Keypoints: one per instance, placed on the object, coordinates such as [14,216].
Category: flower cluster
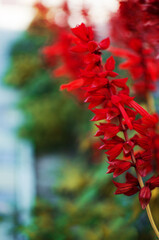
[109,100]
[134,28]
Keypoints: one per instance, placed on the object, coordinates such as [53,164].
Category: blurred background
[53,183]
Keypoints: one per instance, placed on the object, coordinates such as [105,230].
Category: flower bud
[144,196]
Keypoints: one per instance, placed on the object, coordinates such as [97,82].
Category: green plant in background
[84,208]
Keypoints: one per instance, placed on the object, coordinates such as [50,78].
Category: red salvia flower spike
[112,101]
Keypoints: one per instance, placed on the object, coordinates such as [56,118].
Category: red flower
[145,192]
[143,167]
[153,182]
[83,33]
[115,151]
[143,161]
[118,167]
[144,142]
[137,35]
[130,187]
[107,129]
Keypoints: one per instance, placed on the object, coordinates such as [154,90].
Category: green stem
[149,214]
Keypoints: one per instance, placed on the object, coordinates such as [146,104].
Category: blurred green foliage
[85,208]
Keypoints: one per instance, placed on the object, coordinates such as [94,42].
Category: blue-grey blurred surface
[17,184]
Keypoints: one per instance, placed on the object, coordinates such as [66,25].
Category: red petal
[108,144]
[104,44]
[131,179]
[121,52]
[127,146]
[91,58]
[112,74]
[153,70]
[125,64]
[125,188]
[120,82]
[111,113]
[111,132]
[115,151]
[72,85]
[94,101]
[133,191]
[153,182]
[125,116]
[140,128]
[124,166]
[110,64]
[108,130]
[135,44]
[140,110]
[143,167]
[143,142]
[61,71]
[79,48]
[92,46]
[100,114]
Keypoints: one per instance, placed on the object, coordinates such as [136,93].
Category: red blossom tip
[83,33]
[144,196]
[104,44]
[110,64]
